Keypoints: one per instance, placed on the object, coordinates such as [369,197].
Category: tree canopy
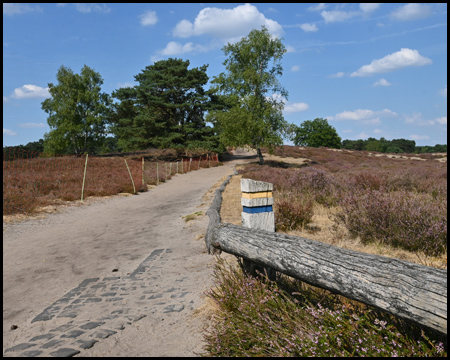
[250,87]
[166,108]
[78,112]
[391,146]
[317,133]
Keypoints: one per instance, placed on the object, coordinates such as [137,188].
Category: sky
[373,70]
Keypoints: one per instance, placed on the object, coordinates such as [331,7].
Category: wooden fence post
[257,213]
[143,183]
[84,178]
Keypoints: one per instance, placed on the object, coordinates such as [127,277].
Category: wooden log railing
[402,288]
[411,291]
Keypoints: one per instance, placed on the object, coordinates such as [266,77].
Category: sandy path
[119,277]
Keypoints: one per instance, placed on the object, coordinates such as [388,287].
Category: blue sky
[373,70]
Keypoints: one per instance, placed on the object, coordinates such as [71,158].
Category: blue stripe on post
[257,209]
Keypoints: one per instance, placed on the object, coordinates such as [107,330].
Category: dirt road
[121,276]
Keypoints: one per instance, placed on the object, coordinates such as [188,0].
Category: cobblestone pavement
[122,300]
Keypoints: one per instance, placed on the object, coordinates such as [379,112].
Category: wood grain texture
[404,289]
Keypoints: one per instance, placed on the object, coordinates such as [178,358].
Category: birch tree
[253,93]
[78,112]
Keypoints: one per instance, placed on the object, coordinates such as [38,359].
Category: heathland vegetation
[34,181]
[372,203]
[377,202]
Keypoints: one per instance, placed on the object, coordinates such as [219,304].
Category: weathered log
[402,288]
[214,214]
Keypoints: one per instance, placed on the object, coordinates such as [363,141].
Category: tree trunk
[260,156]
[404,289]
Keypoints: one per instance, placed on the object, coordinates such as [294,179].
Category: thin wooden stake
[129,172]
[84,177]
[143,172]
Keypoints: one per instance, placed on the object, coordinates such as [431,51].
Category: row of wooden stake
[157,171]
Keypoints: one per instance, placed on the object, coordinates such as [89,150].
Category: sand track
[121,276]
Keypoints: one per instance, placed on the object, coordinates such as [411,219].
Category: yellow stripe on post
[257,195]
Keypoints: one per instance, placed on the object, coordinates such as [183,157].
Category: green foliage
[317,133]
[391,146]
[393,149]
[78,112]
[35,146]
[431,149]
[28,151]
[251,116]
[406,146]
[166,109]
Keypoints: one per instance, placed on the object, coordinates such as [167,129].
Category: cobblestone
[143,290]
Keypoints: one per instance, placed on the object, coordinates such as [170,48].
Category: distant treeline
[391,146]
[30,150]
[33,149]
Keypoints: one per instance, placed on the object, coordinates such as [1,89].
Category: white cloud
[337,75]
[288,106]
[340,15]
[290,49]
[5,99]
[317,7]
[364,114]
[369,7]
[32,125]
[295,107]
[90,7]
[295,68]
[308,27]
[377,131]
[398,60]
[375,120]
[226,23]
[419,137]
[8,132]
[416,118]
[18,8]
[148,18]
[382,82]
[442,120]
[411,11]
[175,48]
[337,15]
[30,91]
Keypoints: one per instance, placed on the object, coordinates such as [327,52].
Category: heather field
[399,202]
[381,204]
[33,183]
